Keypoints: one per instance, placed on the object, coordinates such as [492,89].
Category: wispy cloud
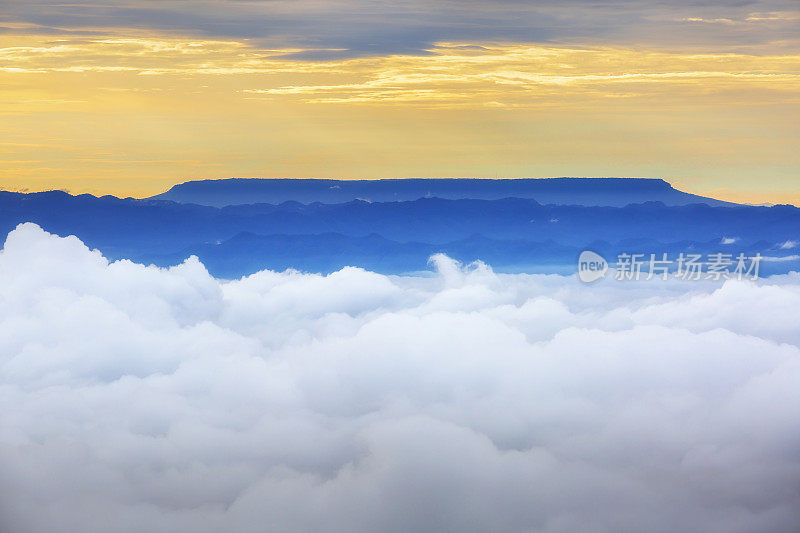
[454,74]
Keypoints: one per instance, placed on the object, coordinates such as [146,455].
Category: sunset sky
[129,98]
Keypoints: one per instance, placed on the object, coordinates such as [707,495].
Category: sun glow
[132,115]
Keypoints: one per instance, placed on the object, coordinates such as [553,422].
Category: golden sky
[133,111]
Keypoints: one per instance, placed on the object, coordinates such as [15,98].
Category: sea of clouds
[163,400]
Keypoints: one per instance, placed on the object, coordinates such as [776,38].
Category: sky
[129,98]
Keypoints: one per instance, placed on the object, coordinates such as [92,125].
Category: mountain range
[511,234]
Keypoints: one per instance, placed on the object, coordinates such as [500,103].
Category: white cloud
[781,259]
[145,399]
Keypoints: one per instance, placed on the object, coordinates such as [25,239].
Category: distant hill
[611,192]
[511,234]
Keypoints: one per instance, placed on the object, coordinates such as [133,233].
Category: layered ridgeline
[615,192]
[511,234]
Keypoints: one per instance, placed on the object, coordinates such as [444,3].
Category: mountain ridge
[600,192]
[394,237]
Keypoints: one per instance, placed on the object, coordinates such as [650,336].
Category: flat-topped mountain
[610,192]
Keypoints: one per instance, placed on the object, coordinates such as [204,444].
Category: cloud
[782,258]
[148,399]
[359,27]
[450,75]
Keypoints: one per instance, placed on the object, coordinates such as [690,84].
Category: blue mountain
[511,234]
[614,192]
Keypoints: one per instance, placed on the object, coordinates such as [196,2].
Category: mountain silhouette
[511,234]
[612,192]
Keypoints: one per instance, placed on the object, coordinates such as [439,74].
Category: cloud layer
[358,27]
[145,399]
